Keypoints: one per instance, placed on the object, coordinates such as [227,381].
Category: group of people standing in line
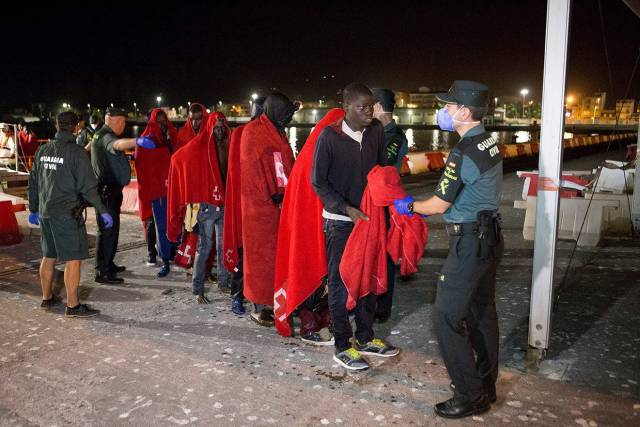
[283,232]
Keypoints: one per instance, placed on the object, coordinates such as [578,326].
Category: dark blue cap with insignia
[466,92]
[386,98]
[115,111]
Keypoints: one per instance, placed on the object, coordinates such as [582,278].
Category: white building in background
[592,106]
[625,109]
[423,98]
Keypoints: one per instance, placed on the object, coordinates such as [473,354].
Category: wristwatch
[410,207]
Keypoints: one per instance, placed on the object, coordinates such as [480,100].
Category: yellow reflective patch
[450,173]
[444,184]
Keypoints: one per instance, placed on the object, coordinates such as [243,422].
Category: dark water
[421,139]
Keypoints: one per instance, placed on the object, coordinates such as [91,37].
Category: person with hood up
[153,157]
[266,160]
[196,178]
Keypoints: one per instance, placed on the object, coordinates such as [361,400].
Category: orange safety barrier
[435,160]
[405,169]
[527,149]
[511,150]
[535,147]
[520,150]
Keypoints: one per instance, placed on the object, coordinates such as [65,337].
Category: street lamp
[524,93]
[254,96]
[158,100]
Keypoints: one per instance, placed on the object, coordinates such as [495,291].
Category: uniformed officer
[396,148]
[86,135]
[113,172]
[396,145]
[468,194]
[60,184]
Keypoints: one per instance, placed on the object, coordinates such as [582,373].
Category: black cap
[115,111]
[466,92]
[386,98]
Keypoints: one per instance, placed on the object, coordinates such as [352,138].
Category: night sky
[227,50]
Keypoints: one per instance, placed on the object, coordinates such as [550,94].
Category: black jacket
[341,165]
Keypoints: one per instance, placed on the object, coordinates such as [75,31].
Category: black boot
[454,408]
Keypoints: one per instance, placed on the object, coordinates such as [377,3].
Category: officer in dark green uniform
[86,135]
[61,183]
[113,172]
[396,145]
[468,194]
[396,148]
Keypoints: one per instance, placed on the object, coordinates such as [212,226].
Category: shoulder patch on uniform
[483,150]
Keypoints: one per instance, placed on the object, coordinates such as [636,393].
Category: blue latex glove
[34,218]
[402,206]
[145,142]
[108,221]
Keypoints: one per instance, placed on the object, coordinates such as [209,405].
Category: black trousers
[337,233]
[107,239]
[466,318]
[150,235]
[385,301]
[237,279]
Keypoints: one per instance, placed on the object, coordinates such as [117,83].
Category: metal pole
[550,165]
[15,144]
[635,209]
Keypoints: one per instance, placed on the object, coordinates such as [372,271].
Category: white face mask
[93,126]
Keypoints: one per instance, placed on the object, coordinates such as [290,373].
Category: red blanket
[194,177]
[152,164]
[364,265]
[232,233]
[266,160]
[186,132]
[301,257]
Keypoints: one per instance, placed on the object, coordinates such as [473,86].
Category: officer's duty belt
[462,228]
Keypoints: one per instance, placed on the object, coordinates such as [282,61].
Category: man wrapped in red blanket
[301,257]
[266,160]
[152,169]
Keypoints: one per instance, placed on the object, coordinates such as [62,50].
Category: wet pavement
[154,357]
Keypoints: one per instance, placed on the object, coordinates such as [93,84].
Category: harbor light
[158,100]
[254,96]
[524,93]
[65,105]
[89,106]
